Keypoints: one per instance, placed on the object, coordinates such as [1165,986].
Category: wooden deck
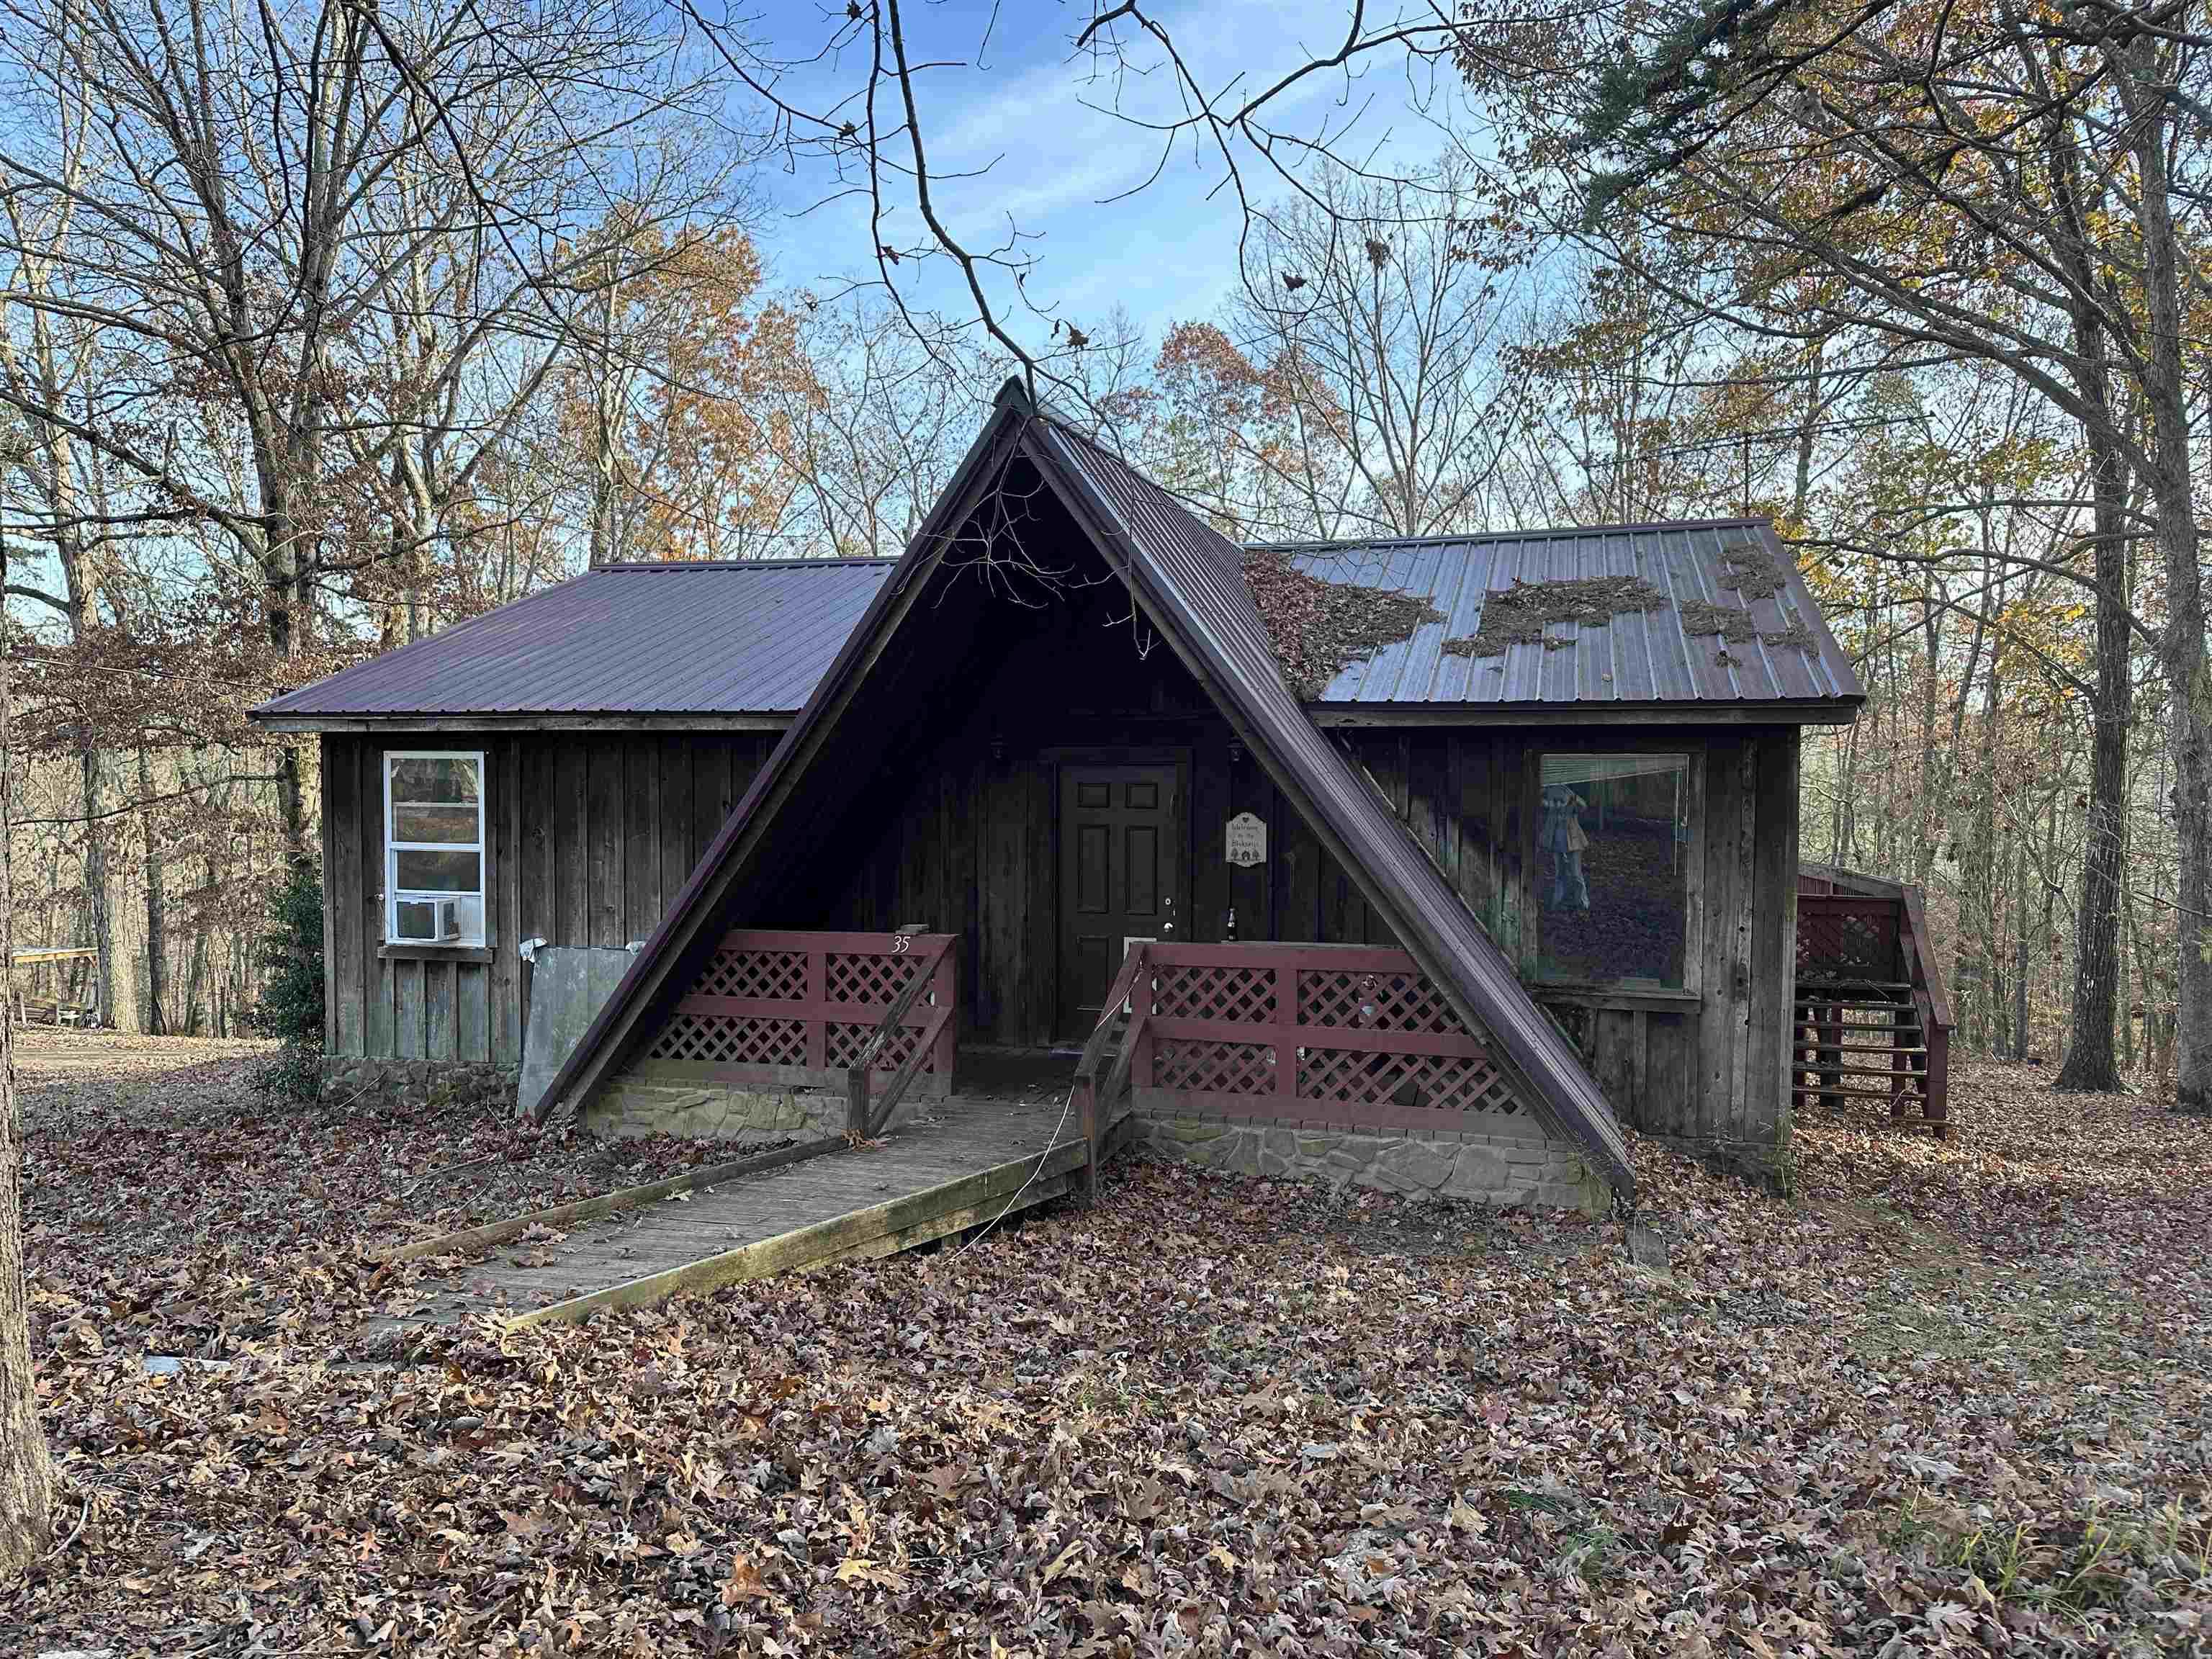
[961,1161]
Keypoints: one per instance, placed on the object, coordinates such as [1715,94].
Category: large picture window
[1612,869]
[433,847]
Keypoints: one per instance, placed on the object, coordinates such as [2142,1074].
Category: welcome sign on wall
[1248,840]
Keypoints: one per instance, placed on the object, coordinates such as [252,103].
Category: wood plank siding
[588,837]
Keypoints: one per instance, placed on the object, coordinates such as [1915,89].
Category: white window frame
[394,894]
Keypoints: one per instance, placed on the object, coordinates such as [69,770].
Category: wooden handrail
[879,1116]
[1123,988]
[862,1118]
[1090,1099]
[1117,1079]
[900,1006]
[1920,965]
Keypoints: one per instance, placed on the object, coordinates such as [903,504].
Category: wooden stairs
[1872,1020]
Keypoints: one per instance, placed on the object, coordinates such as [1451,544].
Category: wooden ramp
[961,1163]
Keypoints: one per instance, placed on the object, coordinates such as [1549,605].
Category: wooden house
[1428,863]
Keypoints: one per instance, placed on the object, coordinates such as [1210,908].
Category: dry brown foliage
[1953,1398]
[1319,627]
[1518,614]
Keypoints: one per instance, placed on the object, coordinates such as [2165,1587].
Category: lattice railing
[796,1008]
[1311,1032]
[1847,936]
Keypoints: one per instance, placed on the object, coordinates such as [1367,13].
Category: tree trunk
[2091,1066]
[27,1478]
[157,921]
[2192,818]
[99,911]
[2183,650]
[2020,945]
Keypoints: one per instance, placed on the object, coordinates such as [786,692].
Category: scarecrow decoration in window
[1564,838]
[1616,831]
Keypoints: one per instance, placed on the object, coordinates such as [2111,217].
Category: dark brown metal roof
[626,639]
[1639,656]
[1190,580]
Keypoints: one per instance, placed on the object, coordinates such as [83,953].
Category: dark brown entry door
[1119,877]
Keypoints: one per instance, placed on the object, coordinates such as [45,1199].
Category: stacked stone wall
[1500,1162]
[657,1097]
[350,1077]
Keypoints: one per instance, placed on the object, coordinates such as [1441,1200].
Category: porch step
[1825,1091]
[1840,1005]
[1806,1045]
[1822,986]
[1832,1070]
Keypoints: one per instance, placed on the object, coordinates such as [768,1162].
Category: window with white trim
[434,846]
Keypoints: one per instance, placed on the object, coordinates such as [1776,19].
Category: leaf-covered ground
[1949,1399]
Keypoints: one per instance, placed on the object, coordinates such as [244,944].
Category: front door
[1119,876]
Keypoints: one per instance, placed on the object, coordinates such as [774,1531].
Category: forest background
[324,327]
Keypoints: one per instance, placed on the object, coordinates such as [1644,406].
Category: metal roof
[698,639]
[1638,657]
[1190,580]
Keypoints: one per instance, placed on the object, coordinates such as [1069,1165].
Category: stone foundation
[1507,1160]
[660,1098]
[418,1082]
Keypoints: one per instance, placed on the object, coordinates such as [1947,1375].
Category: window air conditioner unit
[429,922]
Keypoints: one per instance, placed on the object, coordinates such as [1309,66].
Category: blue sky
[1025,117]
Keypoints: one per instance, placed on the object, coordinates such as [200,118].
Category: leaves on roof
[1737,626]
[1752,569]
[1795,637]
[1520,614]
[1729,622]
[1319,627]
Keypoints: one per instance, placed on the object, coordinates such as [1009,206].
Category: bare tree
[27,1479]
[872,432]
[224,241]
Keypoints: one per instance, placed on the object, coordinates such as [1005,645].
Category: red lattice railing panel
[1847,937]
[1373,1001]
[1214,1068]
[786,1008]
[1231,992]
[1311,1033]
[731,1040]
[871,978]
[767,975]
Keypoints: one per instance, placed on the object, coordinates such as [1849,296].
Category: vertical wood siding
[588,836]
[591,837]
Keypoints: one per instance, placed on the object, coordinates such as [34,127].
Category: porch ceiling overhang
[1189,581]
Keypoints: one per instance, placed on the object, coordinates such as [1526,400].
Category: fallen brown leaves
[1321,628]
[1952,1398]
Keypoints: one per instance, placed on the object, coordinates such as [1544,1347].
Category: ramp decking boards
[961,1164]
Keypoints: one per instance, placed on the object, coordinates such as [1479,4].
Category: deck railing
[1872,1017]
[1321,1034]
[806,1010]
